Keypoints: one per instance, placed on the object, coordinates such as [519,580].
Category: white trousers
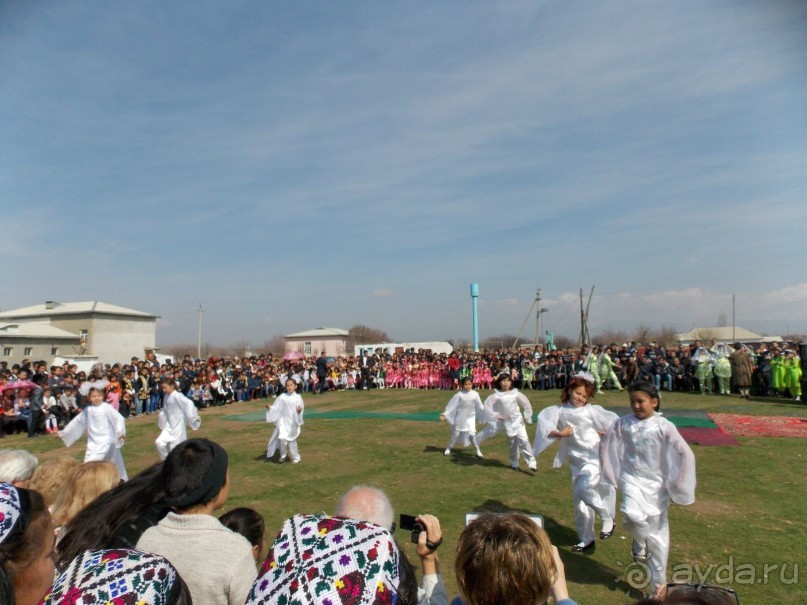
[652,531]
[591,499]
[518,443]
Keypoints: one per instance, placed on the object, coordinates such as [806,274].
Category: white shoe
[296,461]
[479,453]
[282,459]
[533,467]
[447,452]
[600,393]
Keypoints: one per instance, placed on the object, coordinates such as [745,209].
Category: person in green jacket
[792,375]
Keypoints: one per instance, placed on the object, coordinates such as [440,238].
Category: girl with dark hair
[578,426]
[502,413]
[250,524]
[645,456]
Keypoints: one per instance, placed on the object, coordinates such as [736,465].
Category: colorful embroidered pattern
[320,560]
[10,509]
[114,577]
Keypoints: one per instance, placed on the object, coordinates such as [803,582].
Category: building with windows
[54,329]
[312,342]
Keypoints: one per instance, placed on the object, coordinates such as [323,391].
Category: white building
[111,333]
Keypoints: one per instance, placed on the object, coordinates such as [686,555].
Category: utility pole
[733,322]
[537,304]
[585,338]
[538,310]
[199,334]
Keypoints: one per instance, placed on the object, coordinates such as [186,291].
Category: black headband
[211,485]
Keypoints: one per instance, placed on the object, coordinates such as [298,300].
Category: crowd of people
[146,539]
[156,539]
[41,398]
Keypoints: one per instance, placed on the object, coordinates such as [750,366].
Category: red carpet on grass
[698,435]
[762,426]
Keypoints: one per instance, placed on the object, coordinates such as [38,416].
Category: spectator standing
[197,483]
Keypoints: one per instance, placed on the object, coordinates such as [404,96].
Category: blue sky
[290,165]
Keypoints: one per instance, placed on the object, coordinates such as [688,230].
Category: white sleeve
[611,449]
[547,422]
[489,413]
[432,591]
[273,413]
[679,467]
[451,408]
[119,424]
[74,429]
[525,404]
[603,419]
[190,411]
[298,416]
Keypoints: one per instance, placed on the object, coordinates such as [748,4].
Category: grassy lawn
[749,513]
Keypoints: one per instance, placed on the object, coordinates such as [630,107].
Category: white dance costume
[651,464]
[502,412]
[287,425]
[461,413]
[582,450]
[106,432]
[177,410]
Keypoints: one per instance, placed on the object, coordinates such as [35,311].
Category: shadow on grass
[466,457]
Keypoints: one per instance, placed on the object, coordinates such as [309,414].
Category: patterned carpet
[762,426]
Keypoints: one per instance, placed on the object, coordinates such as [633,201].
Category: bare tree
[241,348]
[666,336]
[642,334]
[504,341]
[608,336]
[276,345]
[705,334]
[360,334]
[460,344]
[179,351]
[564,342]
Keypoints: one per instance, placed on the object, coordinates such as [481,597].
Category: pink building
[312,342]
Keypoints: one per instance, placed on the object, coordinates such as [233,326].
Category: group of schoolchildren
[642,454]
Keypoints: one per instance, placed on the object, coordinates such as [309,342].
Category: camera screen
[537,519]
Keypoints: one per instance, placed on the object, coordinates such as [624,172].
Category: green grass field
[749,513]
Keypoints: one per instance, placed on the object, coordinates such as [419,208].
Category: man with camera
[365,503]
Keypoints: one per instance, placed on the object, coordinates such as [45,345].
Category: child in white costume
[461,413]
[105,428]
[177,411]
[578,425]
[645,456]
[502,412]
[287,413]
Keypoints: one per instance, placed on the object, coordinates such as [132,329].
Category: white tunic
[177,410]
[649,462]
[503,406]
[106,432]
[462,411]
[286,418]
[583,445]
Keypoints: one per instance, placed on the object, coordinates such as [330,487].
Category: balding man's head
[365,503]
